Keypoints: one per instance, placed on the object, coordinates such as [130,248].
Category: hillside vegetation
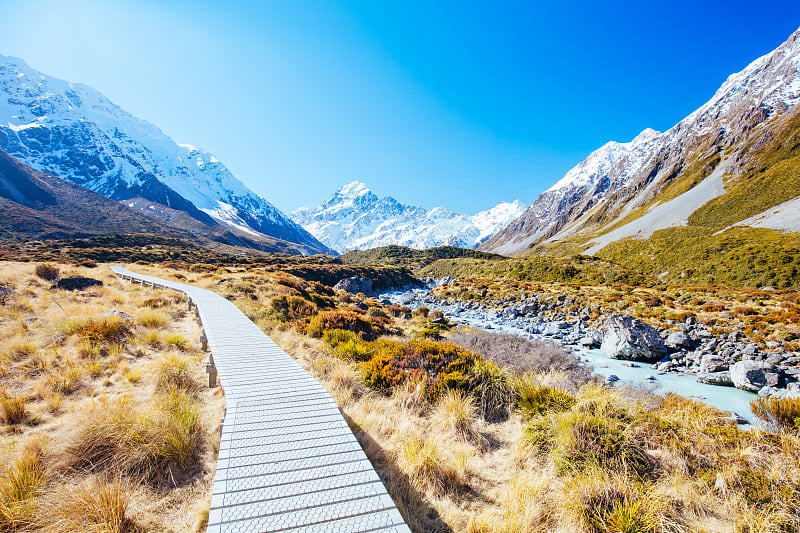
[478,432]
[410,258]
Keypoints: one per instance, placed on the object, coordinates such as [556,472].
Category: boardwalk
[287,459]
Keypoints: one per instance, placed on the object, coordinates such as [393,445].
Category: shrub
[781,413]
[441,365]
[292,307]
[344,319]
[534,400]
[523,355]
[47,272]
[422,311]
[20,350]
[348,345]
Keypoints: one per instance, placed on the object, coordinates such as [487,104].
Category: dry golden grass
[63,356]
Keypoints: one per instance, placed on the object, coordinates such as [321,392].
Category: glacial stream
[728,399]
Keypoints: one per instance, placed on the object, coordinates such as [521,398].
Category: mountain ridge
[75,132]
[615,186]
[355,218]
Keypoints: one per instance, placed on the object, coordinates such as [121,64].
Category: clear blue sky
[460,103]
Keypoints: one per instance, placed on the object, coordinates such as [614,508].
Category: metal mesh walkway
[287,459]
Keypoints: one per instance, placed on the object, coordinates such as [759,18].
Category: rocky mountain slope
[355,218]
[35,205]
[76,133]
[734,161]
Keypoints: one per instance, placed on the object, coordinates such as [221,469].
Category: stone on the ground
[754,375]
[716,378]
[119,314]
[355,285]
[76,283]
[712,363]
[678,339]
[625,337]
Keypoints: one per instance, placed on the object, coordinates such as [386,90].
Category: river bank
[698,364]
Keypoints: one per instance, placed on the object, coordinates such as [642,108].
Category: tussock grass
[172,373]
[19,485]
[97,329]
[780,413]
[156,442]
[14,408]
[47,271]
[456,412]
[95,504]
[152,319]
[427,463]
[178,341]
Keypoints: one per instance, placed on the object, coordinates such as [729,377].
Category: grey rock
[775,358]
[754,375]
[625,337]
[355,285]
[773,344]
[650,377]
[629,364]
[678,339]
[716,378]
[119,314]
[612,378]
[712,363]
[76,283]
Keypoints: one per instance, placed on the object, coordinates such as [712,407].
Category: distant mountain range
[355,218]
[73,132]
[733,162]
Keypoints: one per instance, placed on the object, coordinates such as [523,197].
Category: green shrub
[290,307]
[534,400]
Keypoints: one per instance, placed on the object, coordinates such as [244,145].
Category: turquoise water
[727,399]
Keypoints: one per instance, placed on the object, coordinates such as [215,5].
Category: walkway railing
[287,459]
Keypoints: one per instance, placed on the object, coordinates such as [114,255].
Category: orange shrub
[347,319]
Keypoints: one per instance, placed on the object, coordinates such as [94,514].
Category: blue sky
[461,104]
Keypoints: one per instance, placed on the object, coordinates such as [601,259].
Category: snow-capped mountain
[76,133]
[652,182]
[355,218]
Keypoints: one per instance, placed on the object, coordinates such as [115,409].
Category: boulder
[678,339]
[625,337]
[754,375]
[119,314]
[76,283]
[716,378]
[355,285]
[712,363]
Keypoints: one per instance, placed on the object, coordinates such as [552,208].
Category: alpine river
[727,399]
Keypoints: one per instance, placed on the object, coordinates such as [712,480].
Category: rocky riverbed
[689,356]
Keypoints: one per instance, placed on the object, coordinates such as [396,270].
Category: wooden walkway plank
[287,460]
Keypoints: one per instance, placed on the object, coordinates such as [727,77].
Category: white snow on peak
[354,218]
[601,161]
[354,188]
[106,149]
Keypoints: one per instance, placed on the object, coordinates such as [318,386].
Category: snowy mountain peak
[354,189]
[354,218]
